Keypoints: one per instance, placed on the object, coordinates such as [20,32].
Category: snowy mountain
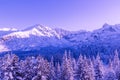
[33,38]
[37,30]
[44,40]
[8,29]
[5,31]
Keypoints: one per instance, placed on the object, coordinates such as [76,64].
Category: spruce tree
[98,66]
[67,69]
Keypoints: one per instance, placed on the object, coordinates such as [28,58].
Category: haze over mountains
[47,41]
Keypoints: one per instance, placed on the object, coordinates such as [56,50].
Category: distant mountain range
[47,41]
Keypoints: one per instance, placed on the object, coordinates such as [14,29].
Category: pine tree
[117,72]
[109,72]
[43,68]
[67,69]
[91,70]
[79,69]
[70,65]
[29,72]
[74,64]
[116,60]
[84,69]
[98,66]
[52,70]
[10,66]
[58,72]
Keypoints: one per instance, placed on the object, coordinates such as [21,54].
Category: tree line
[38,68]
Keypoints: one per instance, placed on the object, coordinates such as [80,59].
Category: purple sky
[66,14]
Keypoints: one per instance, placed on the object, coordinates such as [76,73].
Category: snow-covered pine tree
[15,67]
[58,72]
[67,69]
[116,61]
[43,68]
[79,68]
[91,70]
[98,67]
[83,71]
[109,76]
[109,72]
[27,68]
[52,70]
[74,64]
[10,67]
[70,64]
[117,72]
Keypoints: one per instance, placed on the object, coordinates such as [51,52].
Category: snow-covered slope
[8,29]
[3,47]
[37,30]
[34,37]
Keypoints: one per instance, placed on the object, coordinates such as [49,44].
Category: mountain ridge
[46,40]
[37,30]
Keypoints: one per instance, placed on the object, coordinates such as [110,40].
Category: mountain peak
[38,27]
[36,30]
[34,26]
[109,28]
[106,25]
